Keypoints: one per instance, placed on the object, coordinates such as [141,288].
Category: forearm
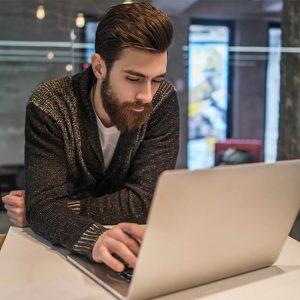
[122,206]
[50,211]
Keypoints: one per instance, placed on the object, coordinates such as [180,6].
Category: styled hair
[136,25]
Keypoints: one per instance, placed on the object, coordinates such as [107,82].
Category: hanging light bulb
[69,68]
[40,12]
[50,55]
[80,20]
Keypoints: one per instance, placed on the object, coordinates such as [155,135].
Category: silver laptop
[207,225]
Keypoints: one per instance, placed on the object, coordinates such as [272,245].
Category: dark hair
[137,25]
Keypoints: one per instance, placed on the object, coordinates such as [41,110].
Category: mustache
[140,104]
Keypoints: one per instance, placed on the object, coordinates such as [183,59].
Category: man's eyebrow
[130,72]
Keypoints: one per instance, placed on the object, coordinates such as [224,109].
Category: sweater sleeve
[49,211]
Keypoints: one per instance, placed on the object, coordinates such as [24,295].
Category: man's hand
[14,203]
[123,240]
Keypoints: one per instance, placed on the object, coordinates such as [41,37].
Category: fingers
[19,221]
[15,205]
[14,210]
[13,200]
[134,230]
[109,260]
[118,234]
[120,249]
[19,193]
[120,240]
[107,245]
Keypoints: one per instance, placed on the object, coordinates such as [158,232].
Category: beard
[122,114]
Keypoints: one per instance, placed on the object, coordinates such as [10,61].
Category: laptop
[207,225]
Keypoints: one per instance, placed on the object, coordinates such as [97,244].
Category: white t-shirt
[108,138]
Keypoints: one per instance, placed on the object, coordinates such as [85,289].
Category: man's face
[128,89]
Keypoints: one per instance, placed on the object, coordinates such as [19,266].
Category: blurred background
[224,62]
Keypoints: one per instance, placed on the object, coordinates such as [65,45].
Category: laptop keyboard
[127,273]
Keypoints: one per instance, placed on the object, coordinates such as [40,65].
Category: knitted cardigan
[69,195]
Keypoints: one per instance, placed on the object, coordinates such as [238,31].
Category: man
[97,142]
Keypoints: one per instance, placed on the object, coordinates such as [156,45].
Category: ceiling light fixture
[80,20]
[40,12]
[50,55]
[69,68]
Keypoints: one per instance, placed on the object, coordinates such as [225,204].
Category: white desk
[30,268]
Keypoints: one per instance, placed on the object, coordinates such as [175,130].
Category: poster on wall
[207,92]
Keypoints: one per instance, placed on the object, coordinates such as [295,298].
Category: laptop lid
[211,224]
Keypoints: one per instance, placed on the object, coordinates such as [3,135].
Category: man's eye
[133,79]
[158,81]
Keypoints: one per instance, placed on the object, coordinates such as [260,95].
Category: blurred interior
[224,62]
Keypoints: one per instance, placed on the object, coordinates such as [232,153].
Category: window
[207,92]
[272,95]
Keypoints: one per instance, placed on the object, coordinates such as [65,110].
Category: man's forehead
[149,64]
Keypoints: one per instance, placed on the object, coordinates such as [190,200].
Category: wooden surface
[4,222]
[2,238]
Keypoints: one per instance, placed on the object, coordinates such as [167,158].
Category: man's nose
[145,94]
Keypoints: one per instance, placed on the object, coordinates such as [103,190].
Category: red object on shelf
[252,146]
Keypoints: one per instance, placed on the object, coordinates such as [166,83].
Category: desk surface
[31,268]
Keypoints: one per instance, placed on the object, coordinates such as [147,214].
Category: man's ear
[99,66]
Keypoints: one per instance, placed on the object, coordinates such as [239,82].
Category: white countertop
[31,268]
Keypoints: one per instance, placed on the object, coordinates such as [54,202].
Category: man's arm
[123,239]
[49,210]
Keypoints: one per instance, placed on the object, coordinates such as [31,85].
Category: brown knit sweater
[68,192]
